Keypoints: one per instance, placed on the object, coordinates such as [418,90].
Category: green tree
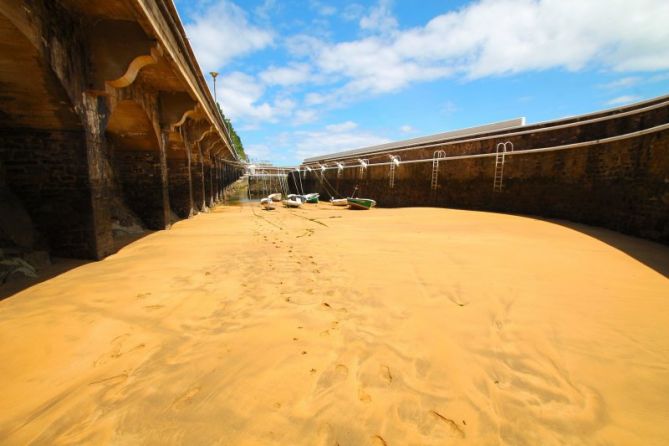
[236,140]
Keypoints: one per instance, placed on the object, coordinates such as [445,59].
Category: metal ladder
[500,158]
[395,161]
[439,154]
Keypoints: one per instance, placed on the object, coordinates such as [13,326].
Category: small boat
[338,201]
[275,197]
[360,203]
[312,198]
[267,204]
[293,202]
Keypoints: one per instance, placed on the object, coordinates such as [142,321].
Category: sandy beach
[324,326]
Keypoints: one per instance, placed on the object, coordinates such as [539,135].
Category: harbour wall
[616,175]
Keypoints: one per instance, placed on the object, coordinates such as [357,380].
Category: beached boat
[338,201]
[360,203]
[312,198]
[294,202]
[267,204]
[275,197]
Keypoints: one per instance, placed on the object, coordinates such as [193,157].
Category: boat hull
[360,203]
[292,203]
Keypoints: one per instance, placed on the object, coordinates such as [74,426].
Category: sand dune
[327,326]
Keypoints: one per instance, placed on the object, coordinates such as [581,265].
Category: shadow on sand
[60,266]
[652,254]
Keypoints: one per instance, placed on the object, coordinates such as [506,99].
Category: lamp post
[213,76]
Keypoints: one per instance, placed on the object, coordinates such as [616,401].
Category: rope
[301,188]
[324,182]
[655,129]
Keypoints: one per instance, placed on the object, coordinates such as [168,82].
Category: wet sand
[328,326]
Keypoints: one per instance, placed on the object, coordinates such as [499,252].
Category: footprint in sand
[377,440]
[186,399]
[333,376]
[326,435]
[363,396]
[453,428]
[111,390]
[341,370]
[386,376]
[115,351]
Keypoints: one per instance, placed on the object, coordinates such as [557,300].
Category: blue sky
[301,78]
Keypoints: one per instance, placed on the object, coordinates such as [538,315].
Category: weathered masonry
[609,169]
[106,125]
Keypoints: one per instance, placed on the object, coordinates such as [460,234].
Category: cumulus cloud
[288,75]
[305,116]
[222,31]
[491,38]
[380,18]
[302,144]
[241,95]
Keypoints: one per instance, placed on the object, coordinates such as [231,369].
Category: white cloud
[448,108]
[322,8]
[407,129]
[222,31]
[333,138]
[258,152]
[620,100]
[284,76]
[490,38]
[304,45]
[352,12]
[240,97]
[380,18]
[304,116]
[624,82]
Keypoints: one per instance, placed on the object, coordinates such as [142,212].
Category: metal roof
[501,125]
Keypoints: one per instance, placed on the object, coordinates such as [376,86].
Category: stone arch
[134,148]
[43,156]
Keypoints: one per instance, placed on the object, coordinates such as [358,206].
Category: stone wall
[139,174]
[621,185]
[47,170]
[178,172]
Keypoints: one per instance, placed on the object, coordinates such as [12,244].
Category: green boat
[312,198]
[360,203]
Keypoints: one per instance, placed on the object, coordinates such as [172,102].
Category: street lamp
[213,75]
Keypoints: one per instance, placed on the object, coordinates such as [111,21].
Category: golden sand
[329,326]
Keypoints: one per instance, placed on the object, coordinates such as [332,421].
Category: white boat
[275,197]
[294,202]
[338,201]
[267,204]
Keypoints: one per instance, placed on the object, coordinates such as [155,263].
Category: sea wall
[622,185]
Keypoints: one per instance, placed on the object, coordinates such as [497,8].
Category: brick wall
[138,173]
[47,170]
[179,186]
